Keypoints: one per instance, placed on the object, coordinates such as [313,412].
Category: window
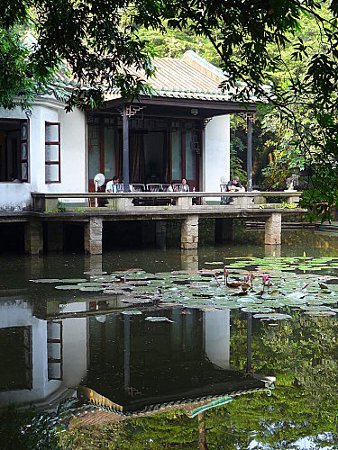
[14,150]
[52,153]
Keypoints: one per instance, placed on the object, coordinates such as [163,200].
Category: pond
[230,347]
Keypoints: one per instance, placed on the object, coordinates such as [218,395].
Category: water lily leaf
[73,280]
[158,319]
[47,280]
[320,313]
[66,287]
[214,263]
[91,289]
[272,316]
[129,312]
[253,309]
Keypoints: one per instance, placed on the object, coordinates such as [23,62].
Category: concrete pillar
[189,233]
[272,250]
[55,236]
[224,230]
[161,234]
[93,236]
[33,237]
[189,259]
[273,229]
[93,264]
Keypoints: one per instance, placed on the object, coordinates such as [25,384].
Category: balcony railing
[152,201]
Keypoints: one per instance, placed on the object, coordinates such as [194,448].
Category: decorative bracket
[130,110]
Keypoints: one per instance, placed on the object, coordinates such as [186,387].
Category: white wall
[216,157]
[217,337]
[18,313]
[73,153]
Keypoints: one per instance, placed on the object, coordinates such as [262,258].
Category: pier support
[55,236]
[189,259]
[33,237]
[93,236]
[273,229]
[189,233]
[224,230]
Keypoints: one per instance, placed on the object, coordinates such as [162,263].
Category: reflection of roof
[189,400]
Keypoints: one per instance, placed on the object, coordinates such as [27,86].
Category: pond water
[134,342]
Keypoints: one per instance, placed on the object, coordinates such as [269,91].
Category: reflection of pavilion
[124,358]
[136,366]
[40,360]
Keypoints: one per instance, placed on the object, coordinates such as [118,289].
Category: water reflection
[51,343]
[132,362]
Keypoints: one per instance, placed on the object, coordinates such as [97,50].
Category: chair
[138,187]
[154,187]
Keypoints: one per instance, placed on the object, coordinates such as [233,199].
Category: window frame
[58,144]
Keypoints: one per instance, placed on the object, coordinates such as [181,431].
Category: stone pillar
[189,259]
[224,230]
[272,250]
[189,233]
[34,237]
[273,229]
[93,236]
[161,234]
[55,236]
[93,264]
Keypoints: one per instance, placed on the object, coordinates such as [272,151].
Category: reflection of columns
[273,229]
[125,129]
[93,264]
[224,230]
[217,337]
[33,237]
[248,343]
[202,435]
[272,250]
[249,120]
[189,233]
[55,236]
[126,352]
[93,236]
[189,259]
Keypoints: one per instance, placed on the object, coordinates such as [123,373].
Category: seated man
[113,186]
[233,185]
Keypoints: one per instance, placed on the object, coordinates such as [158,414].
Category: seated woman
[182,187]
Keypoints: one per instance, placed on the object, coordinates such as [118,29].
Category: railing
[128,201]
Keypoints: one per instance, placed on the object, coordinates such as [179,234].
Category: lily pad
[129,312]
[47,280]
[73,280]
[158,319]
[66,287]
[272,316]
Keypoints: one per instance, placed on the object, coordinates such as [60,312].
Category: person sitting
[112,186]
[235,185]
[183,187]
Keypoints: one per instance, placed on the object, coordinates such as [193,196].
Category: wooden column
[224,230]
[33,237]
[125,132]
[273,229]
[189,233]
[249,119]
[93,236]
